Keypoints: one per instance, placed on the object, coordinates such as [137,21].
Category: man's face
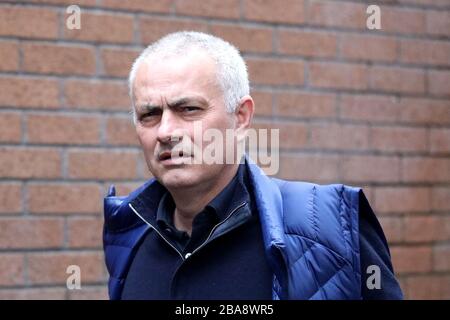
[170,95]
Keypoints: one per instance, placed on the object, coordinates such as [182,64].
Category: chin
[178,178]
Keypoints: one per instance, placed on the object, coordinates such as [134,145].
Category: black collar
[217,209]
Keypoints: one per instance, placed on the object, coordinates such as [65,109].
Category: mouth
[170,157]
[165,155]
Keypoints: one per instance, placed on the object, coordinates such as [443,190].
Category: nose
[169,130]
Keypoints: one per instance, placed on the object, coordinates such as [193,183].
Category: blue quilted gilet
[310,235]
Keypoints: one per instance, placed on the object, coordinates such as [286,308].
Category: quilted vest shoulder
[322,240]
[121,232]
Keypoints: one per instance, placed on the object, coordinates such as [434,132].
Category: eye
[190,109]
[149,115]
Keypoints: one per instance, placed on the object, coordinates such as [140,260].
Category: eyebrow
[186,100]
[174,104]
[147,108]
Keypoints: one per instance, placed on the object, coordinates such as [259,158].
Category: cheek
[146,139]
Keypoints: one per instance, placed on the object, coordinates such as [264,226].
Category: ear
[244,115]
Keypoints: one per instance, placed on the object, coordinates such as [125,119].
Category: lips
[167,155]
[164,155]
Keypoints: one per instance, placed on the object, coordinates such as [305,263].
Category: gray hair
[232,75]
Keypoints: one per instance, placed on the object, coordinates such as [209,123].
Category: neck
[190,201]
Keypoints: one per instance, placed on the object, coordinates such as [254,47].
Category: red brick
[440,140]
[28,22]
[419,169]
[338,137]
[441,258]
[307,43]
[21,233]
[33,294]
[118,62]
[97,95]
[402,199]
[444,227]
[58,59]
[314,168]
[117,28]
[246,39]
[305,105]
[370,169]
[121,131]
[62,129]
[85,232]
[263,102]
[396,79]
[9,51]
[212,8]
[428,287]
[438,23]
[398,139]
[29,163]
[276,71]
[428,3]
[337,75]
[404,21]
[423,229]
[412,259]
[163,6]
[363,47]
[424,111]
[369,108]
[144,173]
[10,127]
[80,3]
[28,92]
[153,29]
[11,269]
[292,135]
[333,14]
[78,198]
[102,164]
[292,11]
[89,293]
[439,198]
[50,267]
[392,227]
[10,197]
[122,188]
[425,52]
[264,129]
[263,124]
[439,82]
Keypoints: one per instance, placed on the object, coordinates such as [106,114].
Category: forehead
[193,73]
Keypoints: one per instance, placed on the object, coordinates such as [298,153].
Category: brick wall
[363,107]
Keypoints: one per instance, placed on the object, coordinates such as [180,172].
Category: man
[222,230]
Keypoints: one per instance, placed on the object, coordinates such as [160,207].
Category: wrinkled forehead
[174,74]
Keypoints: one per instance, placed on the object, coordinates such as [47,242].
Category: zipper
[217,225]
[204,242]
[151,226]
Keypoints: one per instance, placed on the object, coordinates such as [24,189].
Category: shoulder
[326,214]
[117,213]
[301,192]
